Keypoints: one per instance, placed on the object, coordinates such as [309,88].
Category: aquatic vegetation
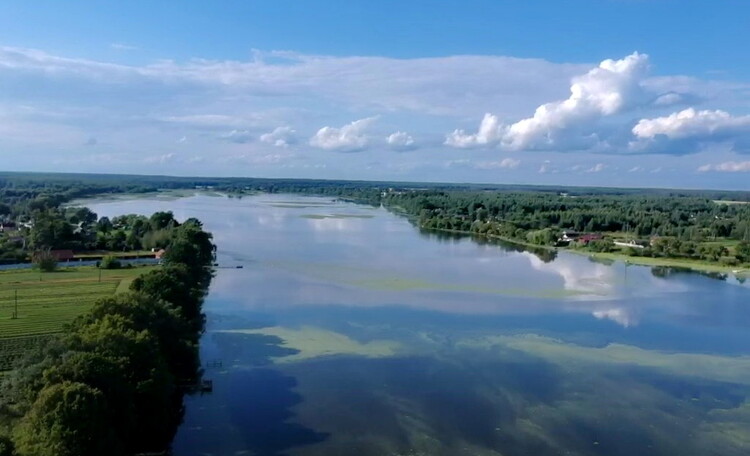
[313,342]
[713,367]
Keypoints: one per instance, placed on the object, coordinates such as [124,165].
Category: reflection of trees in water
[665,272]
[258,398]
[546,255]
[261,410]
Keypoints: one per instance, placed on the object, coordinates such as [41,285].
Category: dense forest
[113,382]
[691,227]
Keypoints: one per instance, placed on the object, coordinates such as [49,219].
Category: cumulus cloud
[690,131]
[349,138]
[280,137]
[400,141]
[727,167]
[692,124]
[609,89]
[490,132]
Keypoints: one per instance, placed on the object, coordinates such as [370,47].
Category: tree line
[113,383]
[670,226]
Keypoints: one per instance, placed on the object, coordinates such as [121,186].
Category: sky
[635,93]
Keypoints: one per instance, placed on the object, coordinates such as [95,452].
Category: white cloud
[490,132]
[609,89]
[349,138]
[444,85]
[599,167]
[613,86]
[692,124]
[400,141]
[669,99]
[280,137]
[727,167]
[506,163]
[690,131]
[547,167]
[161,159]
[237,136]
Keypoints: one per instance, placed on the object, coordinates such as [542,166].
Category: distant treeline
[687,219]
[668,226]
[113,383]
[63,187]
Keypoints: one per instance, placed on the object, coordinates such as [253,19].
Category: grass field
[47,301]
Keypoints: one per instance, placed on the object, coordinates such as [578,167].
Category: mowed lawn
[47,301]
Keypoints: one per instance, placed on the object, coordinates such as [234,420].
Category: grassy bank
[695,265]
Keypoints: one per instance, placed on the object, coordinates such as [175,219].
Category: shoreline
[693,265]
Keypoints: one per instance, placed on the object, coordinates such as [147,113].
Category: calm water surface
[349,332]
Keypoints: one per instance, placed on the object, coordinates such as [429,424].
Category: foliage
[110,262]
[67,419]
[44,260]
[111,384]
[742,251]
[681,225]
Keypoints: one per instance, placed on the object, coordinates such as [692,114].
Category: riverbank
[693,265]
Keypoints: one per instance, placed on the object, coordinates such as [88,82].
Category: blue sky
[589,92]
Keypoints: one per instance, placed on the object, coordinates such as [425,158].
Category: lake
[347,331]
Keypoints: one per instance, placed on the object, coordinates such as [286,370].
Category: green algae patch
[712,367]
[311,342]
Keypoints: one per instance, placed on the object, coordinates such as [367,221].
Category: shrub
[44,260]
[110,262]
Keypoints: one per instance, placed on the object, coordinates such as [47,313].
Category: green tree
[50,230]
[110,262]
[742,251]
[172,283]
[192,247]
[113,336]
[107,375]
[67,419]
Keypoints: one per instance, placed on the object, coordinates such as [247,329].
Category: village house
[632,244]
[586,238]
[62,255]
